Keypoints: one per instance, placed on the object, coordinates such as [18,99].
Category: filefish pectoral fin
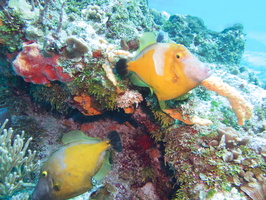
[134,78]
[151,90]
[104,170]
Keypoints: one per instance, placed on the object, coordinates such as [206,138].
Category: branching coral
[16,162]
[241,107]
[95,13]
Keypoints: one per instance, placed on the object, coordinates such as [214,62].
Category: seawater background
[218,15]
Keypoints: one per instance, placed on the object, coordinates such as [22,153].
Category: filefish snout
[42,191]
[195,69]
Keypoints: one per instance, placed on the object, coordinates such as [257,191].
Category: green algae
[54,96]
[11,32]
[93,79]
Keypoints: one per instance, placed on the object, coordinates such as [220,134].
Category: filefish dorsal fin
[77,135]
[145,40]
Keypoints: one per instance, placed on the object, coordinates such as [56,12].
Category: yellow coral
[242,109]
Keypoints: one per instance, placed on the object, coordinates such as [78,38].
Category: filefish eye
[178,56]
[44,173]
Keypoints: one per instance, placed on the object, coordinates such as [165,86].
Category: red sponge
[33,67]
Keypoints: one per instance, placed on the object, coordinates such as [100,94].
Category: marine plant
[55,96]
[17,162]
[164,119]
[95,83]
[11,30]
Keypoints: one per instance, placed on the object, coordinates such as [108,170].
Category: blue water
[217,15]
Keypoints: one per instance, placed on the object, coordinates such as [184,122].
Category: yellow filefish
[69,171]
[168,69]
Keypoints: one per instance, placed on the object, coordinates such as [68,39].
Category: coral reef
[16,162]
[75,48]
[63,78]
[207,162]
[139,157]
[177,113]
[55,96]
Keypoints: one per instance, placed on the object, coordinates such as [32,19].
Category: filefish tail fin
[121,68]
[115,141]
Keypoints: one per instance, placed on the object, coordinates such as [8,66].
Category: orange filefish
[69,171]
[168,69]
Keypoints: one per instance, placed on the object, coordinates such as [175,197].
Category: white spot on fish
[158,58]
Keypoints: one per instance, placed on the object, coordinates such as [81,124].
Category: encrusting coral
[206,163]
[87,105]
[75,48]
[177,113]
[242,109]
[33,67]
[16,161]
[255,187]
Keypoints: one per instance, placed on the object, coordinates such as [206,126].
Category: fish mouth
[40,196]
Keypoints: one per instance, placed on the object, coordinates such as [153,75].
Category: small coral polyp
[33,67]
